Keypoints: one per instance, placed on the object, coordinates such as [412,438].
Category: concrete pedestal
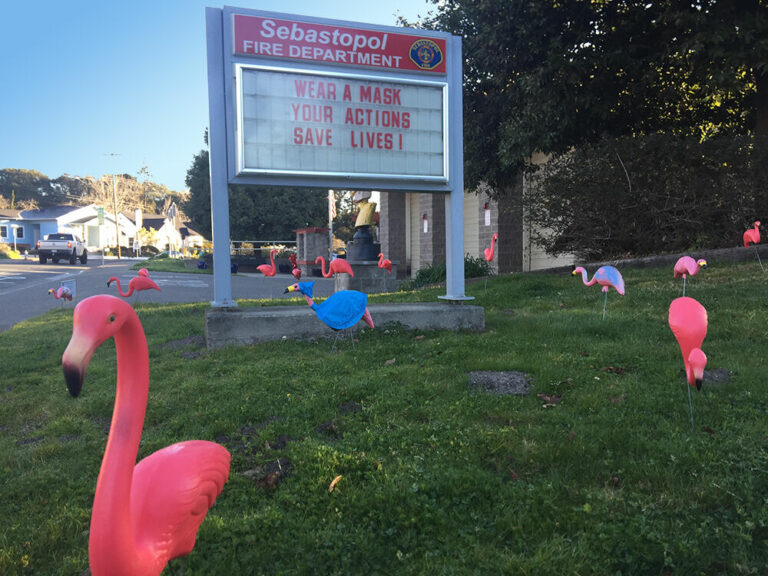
[245,326]
[369,278]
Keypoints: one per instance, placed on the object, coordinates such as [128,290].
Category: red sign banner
[337,45]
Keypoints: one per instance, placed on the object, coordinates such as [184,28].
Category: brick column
[432,243]
[392,228]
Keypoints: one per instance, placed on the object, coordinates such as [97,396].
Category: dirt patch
[350,408]
[269,476]
[502,383]
[330,430]
[280,442]
[244,440]
[192,346]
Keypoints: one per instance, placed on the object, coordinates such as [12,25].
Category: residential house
[33,225]
[166,233]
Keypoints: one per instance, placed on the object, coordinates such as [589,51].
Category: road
[24,286]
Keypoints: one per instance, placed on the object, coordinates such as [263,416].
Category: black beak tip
[286,291]
[74,380]
[698,384]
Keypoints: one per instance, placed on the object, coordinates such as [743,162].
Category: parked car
[61,246]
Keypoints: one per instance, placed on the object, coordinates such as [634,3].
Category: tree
[255,212]
[549,76]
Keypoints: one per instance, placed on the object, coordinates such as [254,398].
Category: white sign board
[310,123]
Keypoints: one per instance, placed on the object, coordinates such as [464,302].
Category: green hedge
[651,194]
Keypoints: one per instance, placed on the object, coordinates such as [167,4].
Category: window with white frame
[3,231]
[19,232]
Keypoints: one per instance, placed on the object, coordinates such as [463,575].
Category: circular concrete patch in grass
[502,383]
[717,376]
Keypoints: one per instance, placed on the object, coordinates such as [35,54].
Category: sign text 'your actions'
[376,122]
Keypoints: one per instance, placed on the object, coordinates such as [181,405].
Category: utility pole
[114,203]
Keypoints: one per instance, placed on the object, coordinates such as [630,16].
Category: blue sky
[85,79]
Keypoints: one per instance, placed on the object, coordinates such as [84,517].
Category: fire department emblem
[426,54]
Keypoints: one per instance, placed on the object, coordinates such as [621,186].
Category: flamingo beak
[573,273]
[702,263]
[697,360]
[290,288]
[77,357]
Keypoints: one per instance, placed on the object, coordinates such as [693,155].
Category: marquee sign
[313,123]
[312,102]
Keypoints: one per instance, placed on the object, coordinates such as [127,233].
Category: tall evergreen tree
[547,76]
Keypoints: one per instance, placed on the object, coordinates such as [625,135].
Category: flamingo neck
[584,278]
[381,257]
[493,244]
[322,268]
[120,289]
[272,257]
[309,300]
[111,539]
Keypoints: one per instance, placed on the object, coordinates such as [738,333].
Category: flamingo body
[341,310]
[752,235]
[136,284]
[489,252]
[335,266]
[148,513]
[267,269]
[61,293]
[385,263]
[688,322]
[295,270]
[606,276]
[687,266]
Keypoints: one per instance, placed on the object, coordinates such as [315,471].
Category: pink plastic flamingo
[384,263]
[335,266]
[295,270]
[61,293]
[136,284]
[144,514]
[489,252]
[753,236]
[687,266]
[688,321]
[266,269]
[606,276]
[143,272]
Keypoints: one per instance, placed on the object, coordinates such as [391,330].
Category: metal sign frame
[224,63]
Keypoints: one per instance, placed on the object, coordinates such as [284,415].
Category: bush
[646,195]
[436,273]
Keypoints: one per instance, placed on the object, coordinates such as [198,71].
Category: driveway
[24,286]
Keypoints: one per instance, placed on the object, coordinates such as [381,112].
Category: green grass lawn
[168,265]
[603,476]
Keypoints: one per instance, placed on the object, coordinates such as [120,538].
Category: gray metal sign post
[310,102]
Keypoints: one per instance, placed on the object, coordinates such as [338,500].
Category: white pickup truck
[61,246]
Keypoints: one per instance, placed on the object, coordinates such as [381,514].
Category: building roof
[8,213]
[50,213]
